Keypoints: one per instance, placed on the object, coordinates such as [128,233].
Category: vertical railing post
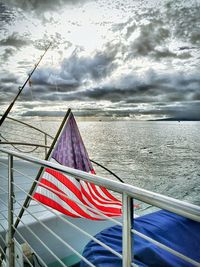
[126,230]
[11,261]
[45,142]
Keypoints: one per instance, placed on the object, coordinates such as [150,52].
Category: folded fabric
[174,231]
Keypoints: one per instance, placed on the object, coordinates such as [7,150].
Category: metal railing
[24,137]
[128,193]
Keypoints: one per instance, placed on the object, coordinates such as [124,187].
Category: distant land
[177,119]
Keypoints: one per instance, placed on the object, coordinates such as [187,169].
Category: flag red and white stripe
[71,196]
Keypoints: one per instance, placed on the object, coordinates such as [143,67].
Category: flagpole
[21,88]
[28,198]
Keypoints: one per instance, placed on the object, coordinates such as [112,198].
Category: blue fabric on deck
[175,231]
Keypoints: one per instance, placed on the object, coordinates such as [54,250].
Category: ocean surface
[156,155]
[160,156]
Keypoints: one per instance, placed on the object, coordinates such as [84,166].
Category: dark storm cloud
[145,37]
[9,85]
[151,35]
[186,110]
[39,6]
[5,95]
[47,93]
[178,110]
[6,15]
[78,69]
[148,35]
[53,113]
[186,18]
[175,111]
[14,40]
[95,67]
[172,110]
[45,79]
[8,79]
[44,113]
[149,32]
[190,111]
[8,52]
[130,88]
[151,88]
[82,113]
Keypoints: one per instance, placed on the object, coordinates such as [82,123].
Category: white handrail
[185,209]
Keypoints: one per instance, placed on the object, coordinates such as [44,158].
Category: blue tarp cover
[179,233]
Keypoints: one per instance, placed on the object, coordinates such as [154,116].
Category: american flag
[71,196]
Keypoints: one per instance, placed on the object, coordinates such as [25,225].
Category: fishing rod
[21,88]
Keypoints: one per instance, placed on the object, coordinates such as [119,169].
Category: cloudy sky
[115,58]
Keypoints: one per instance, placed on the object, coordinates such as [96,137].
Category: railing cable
[61,240]
[22,237]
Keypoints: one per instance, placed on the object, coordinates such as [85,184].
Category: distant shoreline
[108,119]
[176,119]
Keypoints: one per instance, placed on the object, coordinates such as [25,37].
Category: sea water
[160,156]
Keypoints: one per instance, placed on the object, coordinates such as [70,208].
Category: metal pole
[11,261]
[28,198]
[21,88]
[126,230]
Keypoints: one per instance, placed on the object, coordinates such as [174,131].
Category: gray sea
[156,155]
[160,156]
